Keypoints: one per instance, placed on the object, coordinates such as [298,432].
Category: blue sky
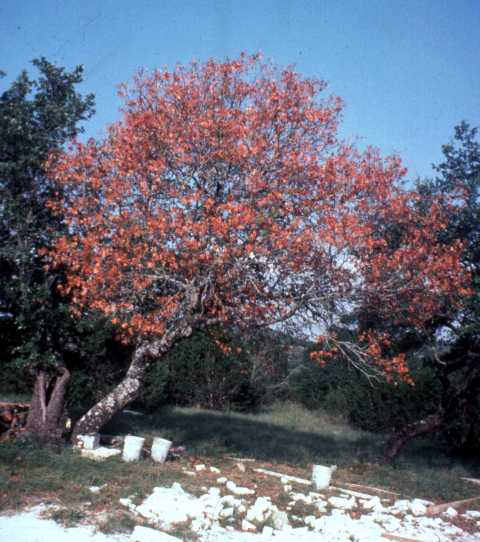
[408,70]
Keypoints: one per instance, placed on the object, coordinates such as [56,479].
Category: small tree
[224,197]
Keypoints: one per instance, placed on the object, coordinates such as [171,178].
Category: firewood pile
[13,418]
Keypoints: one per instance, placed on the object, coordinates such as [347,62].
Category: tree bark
[127,390]
[48,405]
[408,432]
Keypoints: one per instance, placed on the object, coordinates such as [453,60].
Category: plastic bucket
[321,476]
[89,442]
[160,449]
[132,448]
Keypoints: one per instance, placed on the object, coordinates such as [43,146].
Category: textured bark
[48,405]
[127,390]
[405,434]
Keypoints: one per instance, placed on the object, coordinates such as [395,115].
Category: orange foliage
[224,196]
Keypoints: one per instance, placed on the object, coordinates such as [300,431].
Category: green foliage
[37,116]
[375,406]
[206,371]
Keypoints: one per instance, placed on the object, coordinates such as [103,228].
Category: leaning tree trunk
[408,432]
[127,390]
[48,405]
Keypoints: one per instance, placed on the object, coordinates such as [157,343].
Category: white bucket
[89,442]
[160,449]
[132,447]
[321,476]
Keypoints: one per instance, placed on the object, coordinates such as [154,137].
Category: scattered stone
[373,504]
[287,488]
[101,453]
[199,468]
[279,519]
[343,504]
[473,514]
[189,473]
[222,480]
[145,534]
[236,490]
[418,507]
[261,510]
[240,467]
[128,503]
[284,476]
[95,489]
[450,512]
[215,470]
[248,527]
[226,513]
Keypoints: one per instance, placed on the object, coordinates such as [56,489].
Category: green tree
[451,346]
[37,117]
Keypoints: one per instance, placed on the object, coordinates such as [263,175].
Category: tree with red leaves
[224,197]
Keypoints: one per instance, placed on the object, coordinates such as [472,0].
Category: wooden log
[439,508]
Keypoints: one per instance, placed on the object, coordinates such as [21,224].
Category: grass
[286,438]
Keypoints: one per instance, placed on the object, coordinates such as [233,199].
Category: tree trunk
[127,390]
[48,405]
[405,434]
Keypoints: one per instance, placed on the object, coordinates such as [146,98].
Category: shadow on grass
[213,433]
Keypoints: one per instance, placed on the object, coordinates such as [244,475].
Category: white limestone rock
[100,454]
[341,503]
[450,512]
[237,490]
[279,519]
[248,527]
[145,534]
[418,508]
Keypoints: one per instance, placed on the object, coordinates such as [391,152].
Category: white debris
[240,467]
[373,504]
[215,470]
[199,468]
[101,453]
[284,477]
[279,519]
[261,510]
[145,534]
[226,513]
[236,490]
[222,480]
[343,504]
[402,505]
[287,488]
[247,526]
[128,503]
[418,507]
[29,526]
[450,512]
[88,442]
[473,514]
[95,489]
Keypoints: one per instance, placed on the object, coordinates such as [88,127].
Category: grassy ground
[286,438]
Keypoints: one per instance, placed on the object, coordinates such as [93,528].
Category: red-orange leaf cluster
[224,196]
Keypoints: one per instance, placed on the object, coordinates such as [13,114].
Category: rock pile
[241,516]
